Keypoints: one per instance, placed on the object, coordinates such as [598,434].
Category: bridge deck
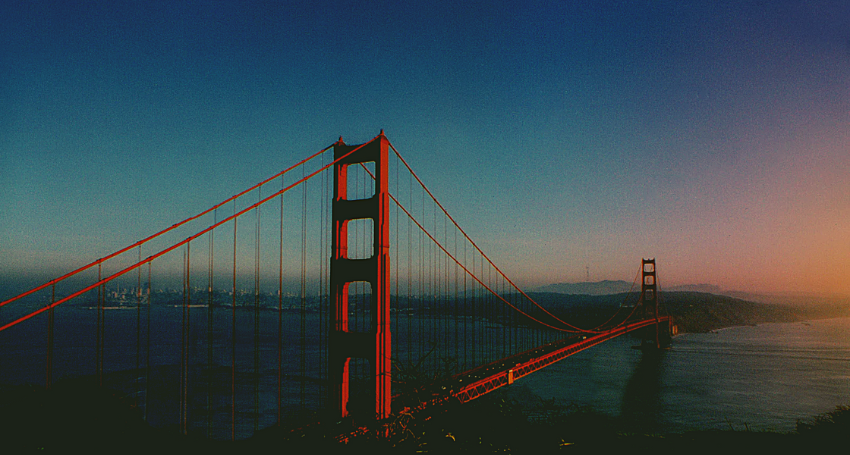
[487,378]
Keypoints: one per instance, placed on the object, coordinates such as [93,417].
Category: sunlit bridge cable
[459,330]
[102,281]
[174,226]
[476,246]
[486,286]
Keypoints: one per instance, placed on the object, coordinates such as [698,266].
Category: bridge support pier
[343,343]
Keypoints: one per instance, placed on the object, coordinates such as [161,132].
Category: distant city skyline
[569,139]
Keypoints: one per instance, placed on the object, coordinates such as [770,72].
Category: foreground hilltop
[74,417]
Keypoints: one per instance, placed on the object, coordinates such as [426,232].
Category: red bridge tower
[649,299]
[344,344]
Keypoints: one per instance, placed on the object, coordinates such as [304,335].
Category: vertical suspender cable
[303,312]
[410,313]
[488,308]
[478,312]
[515,324]
[473,293]
[99,328]
[353,252]
[184,392]
[484,296]
[233,336]
[495,340]
[490,328]
[438,298]
[188,336]
[324,322]
[446,292]
[441,296]
[320,230]
[517,343]
[493,314]
[148,345]
[432,275]
[432,327]
[512,328]
[210,304]
[362,236]
[507,318]
[509,321]
[257,318]
[138,319]
[442,287]
[183,345]
[486,345]
[324,280]
[465,315]
[395,275]
[323,255]
[366,298]
[501,317]
[420,311]
[280,310]
[456,307]
[49,372]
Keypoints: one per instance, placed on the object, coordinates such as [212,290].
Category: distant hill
[607,287]
[619,286]
[705,288]
[692,311]
[604,287]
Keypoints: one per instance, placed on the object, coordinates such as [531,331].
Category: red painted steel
[479,280]
[374,344]
[496,268]
[649,296]
[172,227]
[149,259]
[555,353]
[344,344]
[485,379]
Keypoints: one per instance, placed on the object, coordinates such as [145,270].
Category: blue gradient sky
[714,136]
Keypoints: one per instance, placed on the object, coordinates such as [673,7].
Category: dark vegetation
[74,418]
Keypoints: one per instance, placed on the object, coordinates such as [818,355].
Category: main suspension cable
[174,226]
[132,267]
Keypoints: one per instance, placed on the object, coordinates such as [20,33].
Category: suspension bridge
[337,288]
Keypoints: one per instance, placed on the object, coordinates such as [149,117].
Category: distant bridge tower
[649,289]
[649,298]
[344,344]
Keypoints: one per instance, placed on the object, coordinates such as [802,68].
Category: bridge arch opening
[361,244]
[360,183]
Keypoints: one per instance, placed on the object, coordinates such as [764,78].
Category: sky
[565,137]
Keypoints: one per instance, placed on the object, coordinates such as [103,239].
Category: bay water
[761,378]
[764,377]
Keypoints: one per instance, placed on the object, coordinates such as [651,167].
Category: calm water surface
[762,378]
